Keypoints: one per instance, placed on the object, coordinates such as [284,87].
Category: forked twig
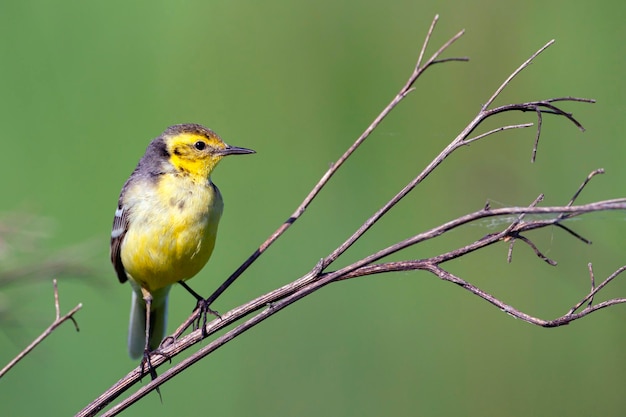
[406,89]
[56,323]
[594,290]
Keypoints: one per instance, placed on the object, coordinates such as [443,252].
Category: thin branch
[573,233]
[535,249]
[593,283]
[537,135]
[417,72]
[584,184]
[559,321]
[496,130]
[616,204]
[429,35]
[544,106]
[56,323]
[409,187]
[426,265]
[595,290]
[514,74]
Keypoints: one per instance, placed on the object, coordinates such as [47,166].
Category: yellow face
[195,153]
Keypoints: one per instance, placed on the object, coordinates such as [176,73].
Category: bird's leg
[147,298]
[145,362]
[203,308]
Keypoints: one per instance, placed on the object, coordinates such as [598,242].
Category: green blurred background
[86,85]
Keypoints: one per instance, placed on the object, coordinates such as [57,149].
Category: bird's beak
[234,150]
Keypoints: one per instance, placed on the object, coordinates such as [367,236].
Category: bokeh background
[85,86]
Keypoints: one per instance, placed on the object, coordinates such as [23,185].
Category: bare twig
[559,321]
[593,283]
[417,72]
[426,265]
[56,323]
[584,184]
[595,289]
[496,130]
[513,75]
[539,125]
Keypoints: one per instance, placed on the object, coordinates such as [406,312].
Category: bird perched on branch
[165,224]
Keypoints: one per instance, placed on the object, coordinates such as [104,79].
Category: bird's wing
[120,227]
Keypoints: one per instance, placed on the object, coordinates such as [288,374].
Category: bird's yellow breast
[172,228]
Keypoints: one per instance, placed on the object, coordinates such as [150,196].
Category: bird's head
[196,150]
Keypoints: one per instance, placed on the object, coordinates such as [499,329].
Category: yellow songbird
[165,224]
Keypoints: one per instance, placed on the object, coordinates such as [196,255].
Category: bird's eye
[199,145]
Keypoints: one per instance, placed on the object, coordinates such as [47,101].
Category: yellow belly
[172,230]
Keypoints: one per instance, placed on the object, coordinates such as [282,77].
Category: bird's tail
[137,325]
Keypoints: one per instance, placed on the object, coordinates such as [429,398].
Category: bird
[165,224]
